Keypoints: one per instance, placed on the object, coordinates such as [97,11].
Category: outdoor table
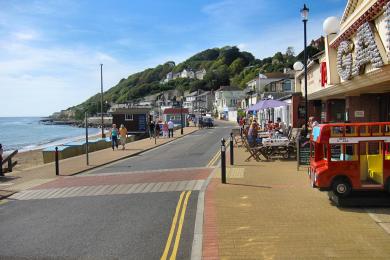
[282,141]
[263,134]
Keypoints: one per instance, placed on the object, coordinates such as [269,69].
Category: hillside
[224,66]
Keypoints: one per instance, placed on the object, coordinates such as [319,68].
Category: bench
[7,158]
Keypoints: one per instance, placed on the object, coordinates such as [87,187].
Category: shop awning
[267,103]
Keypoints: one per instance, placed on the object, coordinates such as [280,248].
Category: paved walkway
[269,211]
[28,178]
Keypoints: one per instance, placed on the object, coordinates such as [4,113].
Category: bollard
[231,149]
[56,162]
[223,161]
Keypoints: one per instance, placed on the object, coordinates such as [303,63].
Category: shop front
[354,83]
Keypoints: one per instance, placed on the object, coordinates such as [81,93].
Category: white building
[228,99]
[199,74]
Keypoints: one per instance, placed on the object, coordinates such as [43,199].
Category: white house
[199,74]
[227,99]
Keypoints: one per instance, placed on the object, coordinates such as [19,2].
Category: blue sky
[51,50]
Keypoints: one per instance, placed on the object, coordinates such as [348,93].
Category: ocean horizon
[28,133]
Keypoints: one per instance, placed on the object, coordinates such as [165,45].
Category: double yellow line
[180,209]
[214,159]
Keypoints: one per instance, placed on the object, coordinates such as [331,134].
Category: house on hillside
[187,73]
[199,74]
[227,101]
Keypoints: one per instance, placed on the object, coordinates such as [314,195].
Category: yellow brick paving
[273,213]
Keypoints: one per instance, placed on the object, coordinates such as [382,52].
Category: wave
[54,142]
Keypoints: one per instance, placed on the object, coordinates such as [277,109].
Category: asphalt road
[193,150]
[130,226]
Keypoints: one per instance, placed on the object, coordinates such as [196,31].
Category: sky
[51,50]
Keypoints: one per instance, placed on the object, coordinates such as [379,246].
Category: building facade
[227,98]
[354,73]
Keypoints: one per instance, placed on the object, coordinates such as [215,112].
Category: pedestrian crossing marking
[116,189]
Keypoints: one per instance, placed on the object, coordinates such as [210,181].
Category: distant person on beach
[114,136]
[123,135]
[170,128]
[1,160]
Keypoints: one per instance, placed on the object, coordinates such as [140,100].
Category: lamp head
[304,13]
[298,66]
[331,25]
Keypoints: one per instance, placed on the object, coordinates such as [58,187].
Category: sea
[28,133]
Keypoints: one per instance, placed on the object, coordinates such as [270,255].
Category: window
[350,152]
[373,148]
[335,152]
[336,131]
[287,86]
[128,117]
[387,151]
[325,152]
[376,130]
[364,131]
[387,129]
[350,131]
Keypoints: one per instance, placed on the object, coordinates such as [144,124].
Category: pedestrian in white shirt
[170,128]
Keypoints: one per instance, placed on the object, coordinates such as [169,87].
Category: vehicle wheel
[341,187]
[286,155]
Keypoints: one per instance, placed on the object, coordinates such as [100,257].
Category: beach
[33,158]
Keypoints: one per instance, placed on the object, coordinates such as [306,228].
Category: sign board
[303,151]
[141,123]
[359,113]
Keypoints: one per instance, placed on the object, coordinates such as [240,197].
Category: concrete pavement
[269,211]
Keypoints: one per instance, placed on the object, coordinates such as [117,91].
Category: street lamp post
[181,116]
[305,14]
[101,98]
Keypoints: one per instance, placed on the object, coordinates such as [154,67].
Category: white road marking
[82,191]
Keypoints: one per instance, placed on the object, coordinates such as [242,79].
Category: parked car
[208,121]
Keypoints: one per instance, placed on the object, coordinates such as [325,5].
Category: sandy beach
[33,158]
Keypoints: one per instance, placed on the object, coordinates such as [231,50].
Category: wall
[132,125]
[369,103]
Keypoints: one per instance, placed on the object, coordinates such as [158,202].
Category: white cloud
[25,35]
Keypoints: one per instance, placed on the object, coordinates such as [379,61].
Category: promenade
[268,210]
[28,178]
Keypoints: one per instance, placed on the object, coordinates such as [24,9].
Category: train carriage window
[387,129]
[364,130]
[376,130]
[350,131]
[336,131]
[387,151]
[325,152]
[350,152]
[373,148]
[335,152]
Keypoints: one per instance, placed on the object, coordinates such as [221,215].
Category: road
[143,207]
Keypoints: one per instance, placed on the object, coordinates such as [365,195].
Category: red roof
[175,111]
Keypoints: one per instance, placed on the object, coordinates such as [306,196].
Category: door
[371,163]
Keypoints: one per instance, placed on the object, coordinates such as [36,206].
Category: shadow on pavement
[249,185]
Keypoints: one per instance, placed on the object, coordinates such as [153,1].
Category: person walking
[170,128]
[151,129]
[114,136]
[165,129]
[157,130]
[123,136]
